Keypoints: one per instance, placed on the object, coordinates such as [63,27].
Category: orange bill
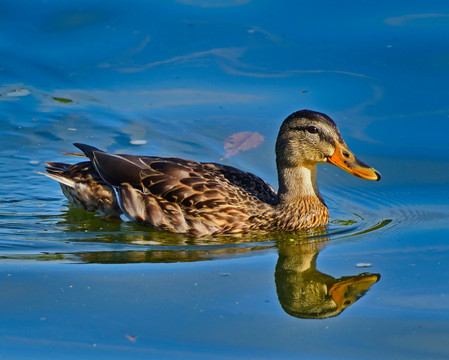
[349,290]
[345,159]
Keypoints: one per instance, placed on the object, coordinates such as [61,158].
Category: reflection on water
[303,291]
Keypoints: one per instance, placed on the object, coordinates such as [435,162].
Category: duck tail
[88,150]
[57,173]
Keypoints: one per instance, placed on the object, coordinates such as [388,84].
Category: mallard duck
[203,199]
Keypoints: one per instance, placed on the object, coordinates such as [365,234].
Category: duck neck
[299,202]
[297,184]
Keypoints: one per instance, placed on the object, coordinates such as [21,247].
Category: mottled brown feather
[87,189]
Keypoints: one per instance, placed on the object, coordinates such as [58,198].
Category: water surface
[182,76]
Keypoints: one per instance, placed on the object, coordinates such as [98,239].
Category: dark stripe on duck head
[316,118]
[312,115]
[323,136]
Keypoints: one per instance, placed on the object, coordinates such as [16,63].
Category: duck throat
[297,183]
[299,201]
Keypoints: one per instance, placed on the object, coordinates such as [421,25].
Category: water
[183,75]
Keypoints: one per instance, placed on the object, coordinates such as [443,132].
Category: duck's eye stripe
[312,129]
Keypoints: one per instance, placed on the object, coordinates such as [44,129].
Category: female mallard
[204,199]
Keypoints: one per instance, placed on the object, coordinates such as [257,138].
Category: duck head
[307,138]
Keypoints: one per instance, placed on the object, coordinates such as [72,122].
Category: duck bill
[345,159]
[348,290]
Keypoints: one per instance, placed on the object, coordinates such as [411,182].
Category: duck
[207,199]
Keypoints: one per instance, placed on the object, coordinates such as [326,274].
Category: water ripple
[359,212]
[37,229]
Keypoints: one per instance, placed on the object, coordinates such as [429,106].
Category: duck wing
[182,195]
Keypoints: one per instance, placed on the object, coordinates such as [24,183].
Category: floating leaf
[363,265]
[138,142]
[131,337]
[19,92]
[62,100]
[242,141]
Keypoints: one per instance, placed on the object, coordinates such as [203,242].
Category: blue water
[182,76]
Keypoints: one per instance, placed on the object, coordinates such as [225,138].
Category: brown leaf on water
[242,141]
[131,338]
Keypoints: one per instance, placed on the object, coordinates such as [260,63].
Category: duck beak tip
[346,160]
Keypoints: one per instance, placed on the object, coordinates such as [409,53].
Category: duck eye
[311,129]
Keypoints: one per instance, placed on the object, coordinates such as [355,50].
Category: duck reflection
[305,292]
[302,290]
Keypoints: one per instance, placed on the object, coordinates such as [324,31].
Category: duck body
[203,199]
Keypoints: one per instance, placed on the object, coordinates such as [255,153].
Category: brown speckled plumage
[83,187]
[203,199]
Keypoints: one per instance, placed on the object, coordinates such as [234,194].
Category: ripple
[357,212]
[34,228]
